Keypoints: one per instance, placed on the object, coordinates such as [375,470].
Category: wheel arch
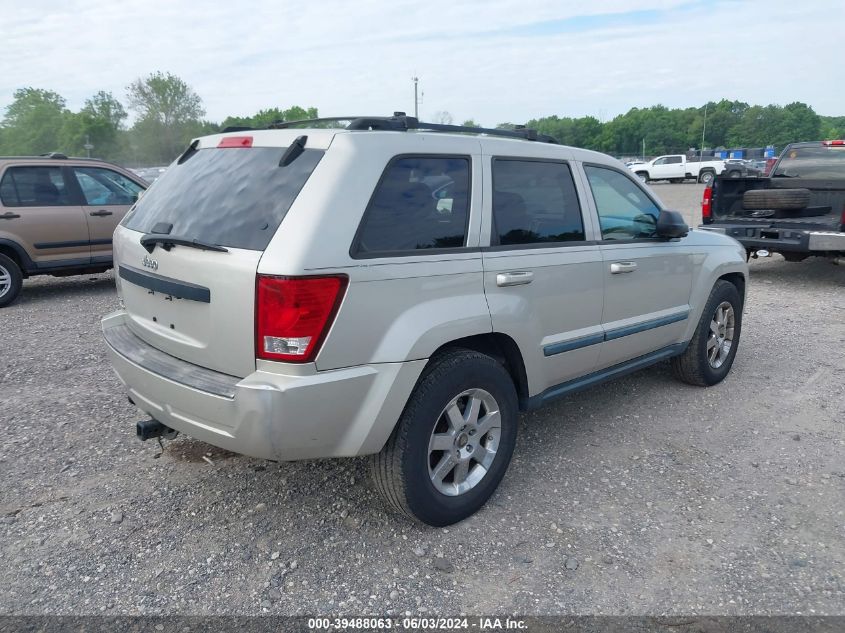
[17,254]
[499,346]
[738,280]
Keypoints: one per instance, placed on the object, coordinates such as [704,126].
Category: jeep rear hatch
[186,256]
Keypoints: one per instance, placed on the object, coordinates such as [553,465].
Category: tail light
[839,143]
[707,206]
[294,314]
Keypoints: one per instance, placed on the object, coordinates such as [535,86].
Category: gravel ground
[641,496]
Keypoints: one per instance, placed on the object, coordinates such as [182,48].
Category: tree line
[168,113]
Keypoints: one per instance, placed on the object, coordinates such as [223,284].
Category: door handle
[622,267]
[101,213]
[516,278]
[9,216]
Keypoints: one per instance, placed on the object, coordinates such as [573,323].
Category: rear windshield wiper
[167,242]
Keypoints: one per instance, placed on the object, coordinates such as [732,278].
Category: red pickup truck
[798,211]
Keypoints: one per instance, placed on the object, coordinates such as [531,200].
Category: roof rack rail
[402,122]
[57,155]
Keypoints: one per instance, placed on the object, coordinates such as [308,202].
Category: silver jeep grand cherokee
[403,290]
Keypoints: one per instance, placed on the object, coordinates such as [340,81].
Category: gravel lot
[641,496]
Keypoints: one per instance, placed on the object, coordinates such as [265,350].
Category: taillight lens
[707,206]
[235,141]
[293,315]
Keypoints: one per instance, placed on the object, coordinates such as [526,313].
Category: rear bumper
[781,239]
[268,414]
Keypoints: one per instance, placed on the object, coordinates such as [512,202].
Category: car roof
[321,138]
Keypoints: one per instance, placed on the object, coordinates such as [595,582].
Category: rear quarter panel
[395,308]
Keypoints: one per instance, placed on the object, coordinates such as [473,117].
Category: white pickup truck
[677,168]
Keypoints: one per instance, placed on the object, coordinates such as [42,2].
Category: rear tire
[413,472]
[706,177]
[11,280]
[707,360]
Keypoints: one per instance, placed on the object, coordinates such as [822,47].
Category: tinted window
[812,162]
[625,211]
[104,186]
[34,187]
[534,202]
[230,197]
[674,160]
[420,203]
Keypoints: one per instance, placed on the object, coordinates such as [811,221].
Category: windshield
[812,162]
[230,197]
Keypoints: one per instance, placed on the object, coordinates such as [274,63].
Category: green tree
[99,123]
[169,112]
[263,118]
[33,121]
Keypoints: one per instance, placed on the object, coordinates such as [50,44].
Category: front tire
[11,280]
[453,442]
[643,176]
[711,352]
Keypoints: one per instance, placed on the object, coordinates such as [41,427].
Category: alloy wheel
[464,442]
[721,335]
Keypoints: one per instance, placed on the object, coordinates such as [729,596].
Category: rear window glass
[420,203]
[34,187]
[231,197]
[812,162]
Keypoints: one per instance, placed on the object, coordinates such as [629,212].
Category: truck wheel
[735,174]
[642,175]
[711,352]
[706,177]
[11,280]
[453,442]
[777,199]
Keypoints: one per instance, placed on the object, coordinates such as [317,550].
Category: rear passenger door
[41,213]
[542,272]
[107,196]
[647,280]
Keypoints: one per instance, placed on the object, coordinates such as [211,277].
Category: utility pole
[643,149]
[88,147]
[416,80]
[703,130]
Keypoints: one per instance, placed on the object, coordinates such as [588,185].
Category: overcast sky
[491,60]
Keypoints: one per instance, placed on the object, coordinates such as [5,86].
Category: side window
[625,211]
[420,203]
[34,187]
[674,160]
[534,202]
[104,186]
[660,161]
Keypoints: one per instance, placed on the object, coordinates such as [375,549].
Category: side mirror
[670,225]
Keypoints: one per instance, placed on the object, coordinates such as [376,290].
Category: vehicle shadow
[58,288]
[815,271]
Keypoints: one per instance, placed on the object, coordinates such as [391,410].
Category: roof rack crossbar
[283,125]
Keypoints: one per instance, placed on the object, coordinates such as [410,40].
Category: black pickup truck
[799,211]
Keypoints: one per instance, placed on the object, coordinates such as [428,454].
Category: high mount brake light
[707,205]
[294,314]
[235,141]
